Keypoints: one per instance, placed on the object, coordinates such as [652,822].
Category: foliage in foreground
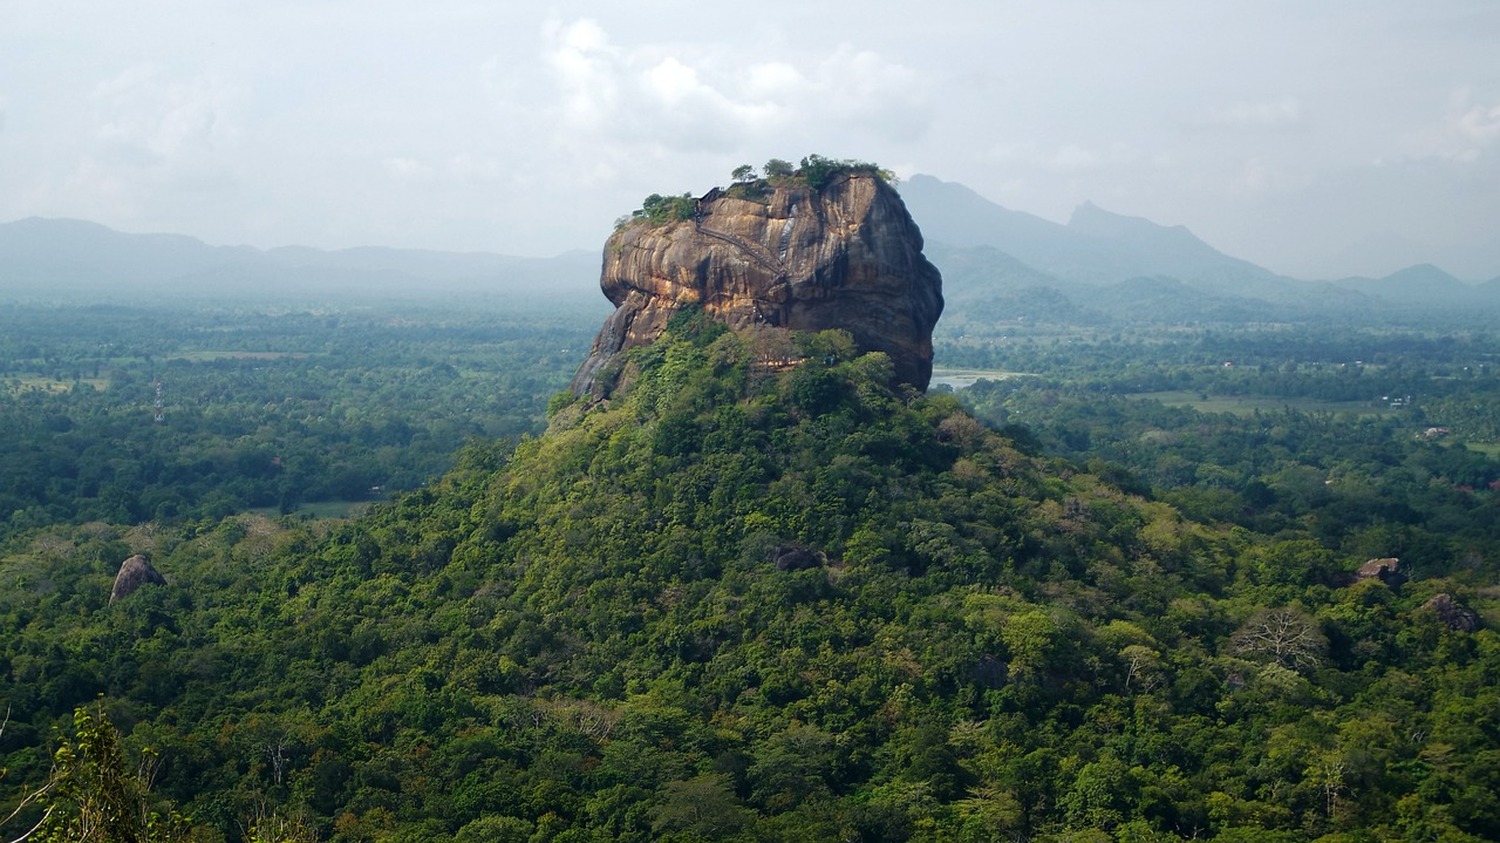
[737,604]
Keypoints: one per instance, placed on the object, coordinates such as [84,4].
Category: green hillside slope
[748,601]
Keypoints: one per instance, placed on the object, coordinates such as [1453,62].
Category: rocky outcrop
[1452,614]
[134,573]
[1387,570]
[798,557]
[846,256]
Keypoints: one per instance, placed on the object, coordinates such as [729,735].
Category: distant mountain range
[998,264]
[1103,266]
[1095,247]
[61,256]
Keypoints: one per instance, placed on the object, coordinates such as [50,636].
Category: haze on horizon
[1318,140]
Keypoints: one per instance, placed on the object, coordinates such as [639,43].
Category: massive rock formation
[845,256]
[134,573]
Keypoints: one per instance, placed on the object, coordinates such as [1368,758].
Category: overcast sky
[1316,138]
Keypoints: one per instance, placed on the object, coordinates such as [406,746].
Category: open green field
[1246,404]
[18,385]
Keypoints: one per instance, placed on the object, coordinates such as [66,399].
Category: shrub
[660,210]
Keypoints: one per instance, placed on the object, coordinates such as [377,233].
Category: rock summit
[780,255]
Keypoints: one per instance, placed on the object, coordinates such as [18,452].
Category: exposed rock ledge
[847,256]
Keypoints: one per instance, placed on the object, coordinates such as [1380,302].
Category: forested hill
[752,602]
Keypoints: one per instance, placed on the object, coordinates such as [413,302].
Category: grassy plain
[19,385]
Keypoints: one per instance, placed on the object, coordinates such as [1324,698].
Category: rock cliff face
[847,256]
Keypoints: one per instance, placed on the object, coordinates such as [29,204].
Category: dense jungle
[1099,583]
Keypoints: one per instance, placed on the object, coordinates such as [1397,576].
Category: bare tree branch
[1287,636]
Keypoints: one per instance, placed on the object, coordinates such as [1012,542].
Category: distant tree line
[269,410]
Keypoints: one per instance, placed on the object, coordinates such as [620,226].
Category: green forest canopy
[741,604]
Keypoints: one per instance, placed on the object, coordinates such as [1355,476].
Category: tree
[660,210]
[704,805]
[1030,637]
[28,798]
[96,798]
[1142,667]
[276,828]
[494,829]
[743,173]
[777,168]
[1288,636]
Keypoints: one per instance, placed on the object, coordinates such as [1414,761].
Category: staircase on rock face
[769,314]
[764,257]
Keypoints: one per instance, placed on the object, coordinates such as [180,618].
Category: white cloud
[460,169]
[773,80]
[865,89]
[406,169]
[583,63]
[692,98]
[467,167]
[1480,124]
[1464,134]
[142,148]
[672,81]
[1071,156]
[144,115]
[1260,176]
[1475,131]
[1009,152]
[1266,114]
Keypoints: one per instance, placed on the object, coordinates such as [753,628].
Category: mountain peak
[1092,219]
[1424,273]
[1095,247]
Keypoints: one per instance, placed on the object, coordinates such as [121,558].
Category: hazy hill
[1096,246]
[997,265]
[1175,252]
[63,253]
[62,258]
[983,285]
[1423,284]
[1103,265]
